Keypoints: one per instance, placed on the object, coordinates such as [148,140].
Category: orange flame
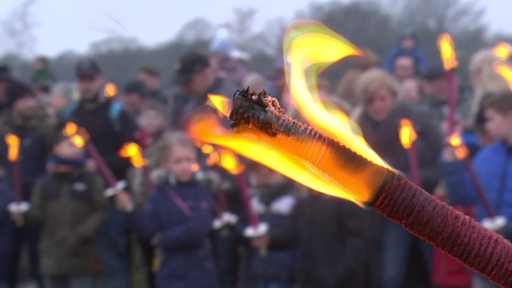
[309,48]
[447,51]
[407,133]
[221,103]
[502,50]
[76,135]
[230,162]
[461,151]
[195,167]
[70,129]
[504,71]
[110,89]
[213,158]
[207,149]
[133,151]
[13,147]
[78,140]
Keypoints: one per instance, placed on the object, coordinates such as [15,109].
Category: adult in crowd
[109,127]
[35,131]
[151,78]
[379,122]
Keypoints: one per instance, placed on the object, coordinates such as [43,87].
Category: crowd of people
[92,218]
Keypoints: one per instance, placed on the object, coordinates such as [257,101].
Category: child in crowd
[177,218]
[274,202]
[493,168]
[68,206]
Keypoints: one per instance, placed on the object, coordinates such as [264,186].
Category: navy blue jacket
[493,168]
[179,225]
[6,231]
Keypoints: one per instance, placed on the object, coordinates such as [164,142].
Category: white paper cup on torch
[112,191]
[257,230]
[226,218]
[18,207]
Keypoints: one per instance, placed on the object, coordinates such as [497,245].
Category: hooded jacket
[69,208]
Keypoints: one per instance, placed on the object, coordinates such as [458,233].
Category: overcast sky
[73,25]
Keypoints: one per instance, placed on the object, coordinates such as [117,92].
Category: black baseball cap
[189,64]
[87,68]
[136,87]
[434,71]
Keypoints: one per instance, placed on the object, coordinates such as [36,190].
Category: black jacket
[331,237]
[382,136]
[107,134]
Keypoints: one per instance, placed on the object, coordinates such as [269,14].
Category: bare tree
[19,29]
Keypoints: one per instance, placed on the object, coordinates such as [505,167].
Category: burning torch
[74,132]
[502,51]
[13,151]
[329,158]
[408,138]
[450,63]
[492,221]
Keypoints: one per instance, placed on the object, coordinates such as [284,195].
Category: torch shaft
[480,192]
[243,188]
[414,168]
[451,81]
[102,166]
[221,200]
[460,236]
[16,181]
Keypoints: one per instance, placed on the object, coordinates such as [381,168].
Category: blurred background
[124,36]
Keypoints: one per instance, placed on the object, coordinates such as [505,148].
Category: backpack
[114,112]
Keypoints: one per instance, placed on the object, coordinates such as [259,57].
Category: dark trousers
[112,246]
[148,253]
[26,236]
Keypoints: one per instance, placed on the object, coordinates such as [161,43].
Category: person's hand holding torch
[18,206]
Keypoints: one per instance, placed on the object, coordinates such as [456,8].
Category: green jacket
[69,209]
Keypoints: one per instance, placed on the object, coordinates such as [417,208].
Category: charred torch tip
[262,111]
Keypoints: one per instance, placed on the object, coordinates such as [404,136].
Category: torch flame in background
[133,151]
[75,134]
[461,151]
[70,129]
[222,157]
[504,71]
[502,50]
[309,48]
[447,51]
[13,146]
[407,133]
[230,162]
[110,89]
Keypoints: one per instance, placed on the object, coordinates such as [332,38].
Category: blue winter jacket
[493,168]
[177,219]
[420,60]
